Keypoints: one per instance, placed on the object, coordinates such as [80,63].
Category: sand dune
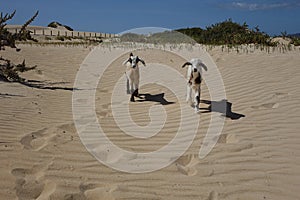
[256,156]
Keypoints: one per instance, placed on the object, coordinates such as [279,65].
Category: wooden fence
[56,32]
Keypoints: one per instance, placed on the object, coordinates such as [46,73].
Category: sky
[116,16]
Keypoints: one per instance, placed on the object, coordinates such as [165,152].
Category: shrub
[56,24]
[227,33]
[8,71]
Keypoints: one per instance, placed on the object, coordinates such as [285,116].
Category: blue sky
[115,16]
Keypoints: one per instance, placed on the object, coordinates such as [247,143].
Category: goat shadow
[223,107]
[159,98]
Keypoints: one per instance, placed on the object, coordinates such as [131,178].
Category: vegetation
[63,38]
[224,33]
[297,35]
[56,24]
[157,38]
[9,71]
[295,41]
[284,34]
[133,37]
[228,33]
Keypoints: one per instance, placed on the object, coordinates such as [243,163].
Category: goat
[133,75]
[194,73]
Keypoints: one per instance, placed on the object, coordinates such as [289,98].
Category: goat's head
[196,65]
[134,60]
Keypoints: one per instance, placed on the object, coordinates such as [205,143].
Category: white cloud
[261,6]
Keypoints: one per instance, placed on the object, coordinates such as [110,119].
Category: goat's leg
[136,88]
[130,79]
[131,90]
[127,86]
[197,99]
[135,92]
[137,82]
[132,97]
[188,93]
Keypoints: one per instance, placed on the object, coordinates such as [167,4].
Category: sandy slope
[256,157]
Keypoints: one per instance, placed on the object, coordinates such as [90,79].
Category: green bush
[227,33]
[61,38]
[296,41]
[56,24]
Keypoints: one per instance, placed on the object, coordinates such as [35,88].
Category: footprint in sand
[49,188]
[34,140]
[213,195]
[29,184]
[103,114]
[70,127]
[266,106]
[37,140]
[76,196]
[92,192]
[105,111]
[272,105]
[227,139]
[281,94]
[187,164]
[106,192]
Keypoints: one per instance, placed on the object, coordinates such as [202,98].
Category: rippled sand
[257,155]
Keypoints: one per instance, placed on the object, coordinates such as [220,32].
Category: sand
[257,155]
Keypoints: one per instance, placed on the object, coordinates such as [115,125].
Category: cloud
[260,6]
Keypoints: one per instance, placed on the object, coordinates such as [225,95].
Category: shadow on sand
[219,106]
[47,86]
[6,95]
[159,98]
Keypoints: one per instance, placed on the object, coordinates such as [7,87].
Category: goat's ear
[126,61]
[185,64]
[131,54]
[142,61]
[204,66]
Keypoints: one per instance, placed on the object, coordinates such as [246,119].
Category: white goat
[194,73]
[133,75]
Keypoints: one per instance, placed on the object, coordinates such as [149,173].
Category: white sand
[256,157]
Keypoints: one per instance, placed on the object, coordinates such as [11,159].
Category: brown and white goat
[194,78]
